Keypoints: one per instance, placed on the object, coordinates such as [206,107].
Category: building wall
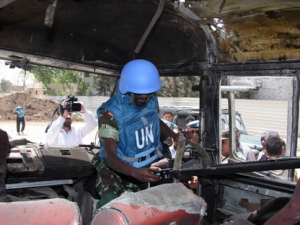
[268,88]
[35,90]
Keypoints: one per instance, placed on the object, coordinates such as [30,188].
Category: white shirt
[173,151]
[57,136]
[247,152]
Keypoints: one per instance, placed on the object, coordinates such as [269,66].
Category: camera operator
[61,133]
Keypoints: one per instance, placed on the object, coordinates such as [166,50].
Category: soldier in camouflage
[131,134]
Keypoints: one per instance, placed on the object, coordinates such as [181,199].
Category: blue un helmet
[139,76]
[193,124]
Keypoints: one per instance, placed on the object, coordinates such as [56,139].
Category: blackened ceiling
[180,38]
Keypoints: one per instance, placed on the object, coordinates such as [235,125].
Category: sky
[15,76]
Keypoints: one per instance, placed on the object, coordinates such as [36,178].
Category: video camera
[71,106]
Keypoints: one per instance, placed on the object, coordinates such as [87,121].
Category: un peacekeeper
[131,134]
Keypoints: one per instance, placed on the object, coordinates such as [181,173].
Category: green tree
[179,86]
[82,88]
[104,85]
[60,81]
[4,85]
[171,86]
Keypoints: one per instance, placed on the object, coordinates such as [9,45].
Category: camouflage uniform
[111,184]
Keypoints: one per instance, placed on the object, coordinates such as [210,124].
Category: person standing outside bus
[20,117]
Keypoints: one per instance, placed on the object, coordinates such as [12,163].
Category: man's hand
[193,183]
[147,175]
[82,108]
[64,113]
[144,175]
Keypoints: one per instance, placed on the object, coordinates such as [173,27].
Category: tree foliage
[4,85]
[60,81]
[179,86]
[171,86]
[83,88]
[104,85]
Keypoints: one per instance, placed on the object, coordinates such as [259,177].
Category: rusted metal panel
[50,212]
[253,30]
[156,205]
[23,160]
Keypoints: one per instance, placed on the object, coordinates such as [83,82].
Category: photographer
[60,132]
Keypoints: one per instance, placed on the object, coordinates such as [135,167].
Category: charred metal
[211,39]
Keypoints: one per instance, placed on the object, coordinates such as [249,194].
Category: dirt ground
[38,115]
[37,109]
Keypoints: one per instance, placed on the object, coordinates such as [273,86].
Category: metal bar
[283,186]
[86,66]
[240,167]
[150,26]
[232,128]
[293,117]
[238,88]
[202,107]
[253,67]
[38,184]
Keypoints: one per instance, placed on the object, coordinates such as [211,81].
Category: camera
[71,106]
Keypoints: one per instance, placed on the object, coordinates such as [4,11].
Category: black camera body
[71,106]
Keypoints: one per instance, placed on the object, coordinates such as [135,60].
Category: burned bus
[223,43]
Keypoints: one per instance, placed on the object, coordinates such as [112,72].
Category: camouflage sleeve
[109,126]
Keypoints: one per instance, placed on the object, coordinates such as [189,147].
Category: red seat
[51,212]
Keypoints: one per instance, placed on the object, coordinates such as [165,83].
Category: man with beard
[61,133]
[131,134]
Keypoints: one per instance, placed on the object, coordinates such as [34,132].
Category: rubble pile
[36,109]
